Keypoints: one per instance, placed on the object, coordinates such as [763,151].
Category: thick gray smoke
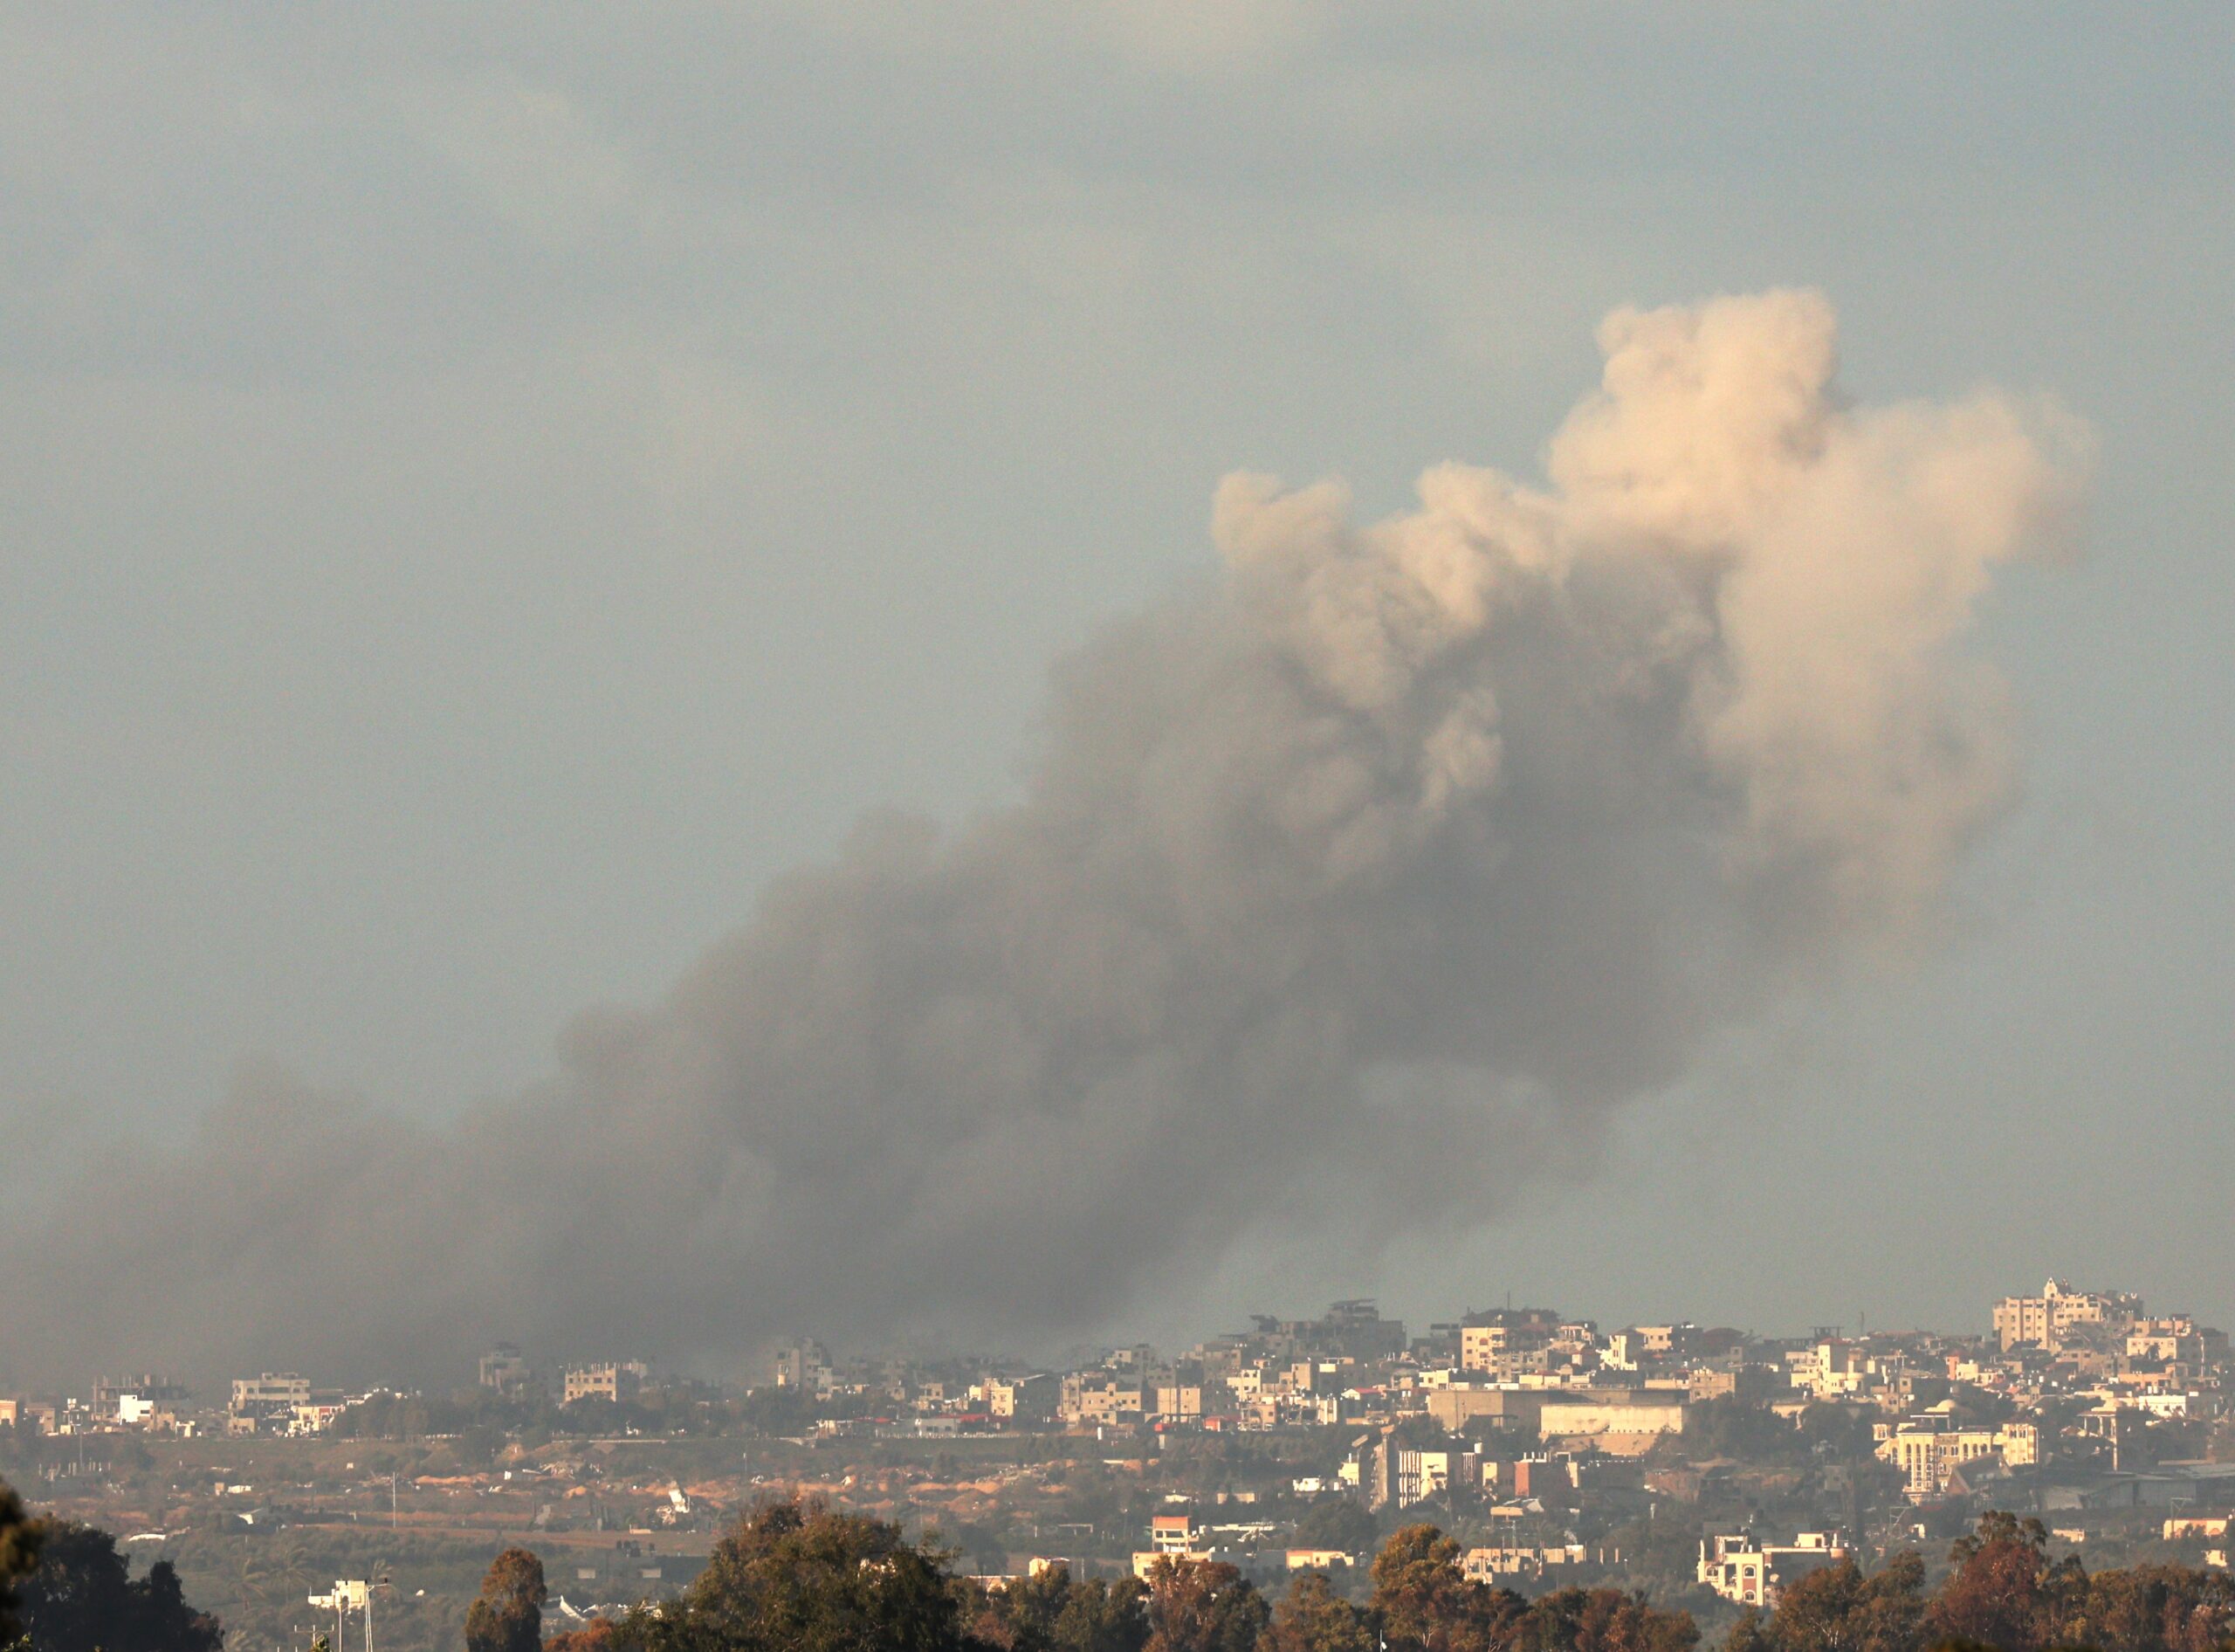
[1337,883]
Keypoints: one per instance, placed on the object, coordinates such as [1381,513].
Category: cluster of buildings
[148,1403]
[1522,1416]
[285,1402]
[269,1403]
[506,1372]
[1544,1431]
[2066,1374]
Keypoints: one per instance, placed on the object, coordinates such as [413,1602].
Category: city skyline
[554,1369]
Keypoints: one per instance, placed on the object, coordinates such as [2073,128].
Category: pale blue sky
[482,488]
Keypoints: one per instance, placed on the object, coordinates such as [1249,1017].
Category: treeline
[65,1587]
[807,1579]
[2002,1591]
[489,1418]
[803,1578]
[793,1577]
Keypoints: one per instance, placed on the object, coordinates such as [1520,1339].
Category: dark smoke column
[1338,885]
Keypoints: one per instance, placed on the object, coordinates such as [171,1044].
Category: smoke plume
[1337,883]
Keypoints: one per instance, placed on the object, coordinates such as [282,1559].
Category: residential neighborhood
[1703,1463]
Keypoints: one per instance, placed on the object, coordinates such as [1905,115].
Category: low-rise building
[1503,1563]
[1740,1569]
[1171,1534]
[1023,1399]
[1178,1401]
[505,1369]
[1098,1399]
[1931,1446]
[266,1403]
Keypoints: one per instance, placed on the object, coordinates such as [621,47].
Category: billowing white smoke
[1333,879]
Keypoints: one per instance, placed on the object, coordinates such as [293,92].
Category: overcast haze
[485,491]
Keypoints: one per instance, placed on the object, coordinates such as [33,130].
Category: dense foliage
[790,1577]
[480,1413]
[807,1577]
[80,1597]
[1422,1602]
[19,1541]
[2005,1593]
[65,1587]
[509,1616]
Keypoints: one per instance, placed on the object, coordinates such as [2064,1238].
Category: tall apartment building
[1417,1476]
[2045,1320]
[1491,1336]
[606,1379]
[1484,1347]
[1386,1472]
[803,1364]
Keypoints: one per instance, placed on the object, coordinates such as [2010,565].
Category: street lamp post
[371,1589]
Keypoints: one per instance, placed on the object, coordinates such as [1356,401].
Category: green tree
[2145,1608]
[81,1597]
[1051,1612]
[1843,1431]
[1202,1606]
[599,1634]
[2004,1590]
[509,1616]
[1338,1523]
[1056,1613]
[1604,1620]
[1422,1602]
[1021,1618]
[1730,1427]
[1311,1617]
[1841,1608]
[1102,1616]
[19,1543]
[807,1579]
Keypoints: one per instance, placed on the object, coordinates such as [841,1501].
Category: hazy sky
[484,488]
